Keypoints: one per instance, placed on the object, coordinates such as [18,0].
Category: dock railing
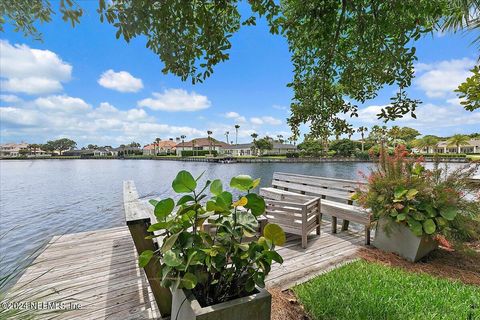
[138,219]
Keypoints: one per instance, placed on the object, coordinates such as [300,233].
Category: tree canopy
[343,52]
[469,91]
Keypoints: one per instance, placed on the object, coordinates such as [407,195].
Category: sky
[84,84]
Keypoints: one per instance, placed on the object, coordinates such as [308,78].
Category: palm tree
[183,141]
[427,142]
[226,135]
[254,137]
[458,140]
[156,145]
[236,133]
[209,142]
[362,131]
[193,147]
[462,15]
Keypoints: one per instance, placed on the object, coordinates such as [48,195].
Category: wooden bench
[335,194]
[295,213]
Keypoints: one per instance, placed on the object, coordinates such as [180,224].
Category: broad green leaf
[241,182]
[216,187]
[164,208]
[169,242]
[274,233]
[144,258]
[256,204]
[449,213]
[401,217]
[248,221]
[415,227]
[411,194]
[255,183]
[400,192]
[259,279]
[171,259]
[162,225]
[275,256]
[189,281]
[184,199]
[429,226]
[441,222]
[153,202]
[250,285]
[419,216]
[184,182]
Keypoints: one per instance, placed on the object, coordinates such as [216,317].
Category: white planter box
[401,240]
[254,307]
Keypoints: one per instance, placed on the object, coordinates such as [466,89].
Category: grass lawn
[474,158]
[365,290]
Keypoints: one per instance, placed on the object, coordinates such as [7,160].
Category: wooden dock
[95,274]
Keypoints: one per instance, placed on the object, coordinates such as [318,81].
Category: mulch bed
[443,263]
[285,306]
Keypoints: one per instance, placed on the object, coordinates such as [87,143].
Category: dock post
[138,220]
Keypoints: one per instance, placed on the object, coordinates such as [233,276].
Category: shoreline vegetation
[247,159]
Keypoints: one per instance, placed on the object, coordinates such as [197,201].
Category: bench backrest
[328,188]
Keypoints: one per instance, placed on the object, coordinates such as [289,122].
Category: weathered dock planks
[98,271]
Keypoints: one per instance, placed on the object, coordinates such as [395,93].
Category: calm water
[43,198]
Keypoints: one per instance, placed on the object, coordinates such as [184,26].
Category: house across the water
[202,145]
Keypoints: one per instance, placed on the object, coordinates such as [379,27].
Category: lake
[43,198]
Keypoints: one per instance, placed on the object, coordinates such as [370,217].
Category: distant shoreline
[226,160]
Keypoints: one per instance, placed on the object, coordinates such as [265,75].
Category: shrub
[345,147]
[217,266]
[191,153]
[362,155]
[292,154]
[427,201]
[442,155]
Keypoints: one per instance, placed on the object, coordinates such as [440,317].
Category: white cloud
[278,107]
[430,117]
[176,100]
[10,98]
[272,121]
[442,78]
[267,120]
[236,116]
[62,104]
[231,115]
[256,120]
[59,116]
[120,81]
[31,71]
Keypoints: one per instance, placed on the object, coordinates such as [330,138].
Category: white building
[473,146]
[248,149]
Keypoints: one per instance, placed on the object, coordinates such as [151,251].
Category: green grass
[474,157]
[363,290]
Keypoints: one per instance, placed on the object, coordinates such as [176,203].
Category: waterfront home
[12,150]
[161,147]
[201,144]
[248,149]
[472,147]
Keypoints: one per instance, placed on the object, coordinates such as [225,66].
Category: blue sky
[85,84]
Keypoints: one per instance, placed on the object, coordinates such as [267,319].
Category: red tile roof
[203,142]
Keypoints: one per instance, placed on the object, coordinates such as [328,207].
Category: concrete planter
[254,307]
[398,238]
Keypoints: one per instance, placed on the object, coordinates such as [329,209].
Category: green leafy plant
[204,245]
[427,201]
